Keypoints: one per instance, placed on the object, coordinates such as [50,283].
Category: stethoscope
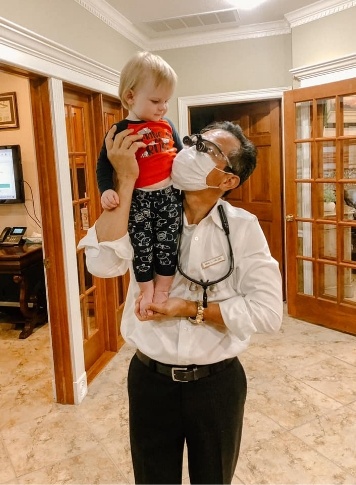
[208,284]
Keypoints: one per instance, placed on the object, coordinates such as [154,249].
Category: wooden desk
[22,283]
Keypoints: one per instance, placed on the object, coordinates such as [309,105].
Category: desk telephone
[12,236]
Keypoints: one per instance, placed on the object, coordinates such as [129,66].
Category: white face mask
[190,169]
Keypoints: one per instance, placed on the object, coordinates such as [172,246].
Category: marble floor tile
[258,368]
[26,401]
[288,401]
[45,440]
[334,436]
[340,349]
[105,413]
[331,376]
[287,460]
[109,424]
[6,469]
[277,353]
[257,427]
[91,467]
[126,471]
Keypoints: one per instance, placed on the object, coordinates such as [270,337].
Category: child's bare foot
[162,287]
[160,296]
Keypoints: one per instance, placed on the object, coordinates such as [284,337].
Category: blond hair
[139,67]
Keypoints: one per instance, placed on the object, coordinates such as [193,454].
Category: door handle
[289,217]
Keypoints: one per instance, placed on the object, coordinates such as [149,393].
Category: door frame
[27,54]
[187,102]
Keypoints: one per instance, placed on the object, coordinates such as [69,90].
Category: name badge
[212,261]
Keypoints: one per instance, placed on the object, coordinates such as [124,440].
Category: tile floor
[300,420]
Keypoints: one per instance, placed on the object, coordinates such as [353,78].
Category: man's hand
[177,307]
[121,150]
[112,224]
[173,307]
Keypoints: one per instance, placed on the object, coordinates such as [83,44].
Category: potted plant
[329,199]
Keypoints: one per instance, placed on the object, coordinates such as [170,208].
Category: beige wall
[15,214]
[326,39]
[250,64]
[69,24]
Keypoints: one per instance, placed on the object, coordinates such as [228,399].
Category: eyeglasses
[206,146]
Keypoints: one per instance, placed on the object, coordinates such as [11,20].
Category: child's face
[149,102]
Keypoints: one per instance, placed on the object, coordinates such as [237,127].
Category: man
[185,383]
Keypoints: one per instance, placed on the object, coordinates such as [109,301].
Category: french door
[87,118]
[320,143]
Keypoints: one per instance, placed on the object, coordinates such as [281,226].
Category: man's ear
[231,182]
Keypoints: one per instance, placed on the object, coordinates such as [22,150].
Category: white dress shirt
[250,299]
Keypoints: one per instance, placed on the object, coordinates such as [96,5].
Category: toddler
[147,83]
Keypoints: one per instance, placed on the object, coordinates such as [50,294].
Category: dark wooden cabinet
[22,283]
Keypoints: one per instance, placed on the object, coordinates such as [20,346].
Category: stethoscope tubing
[205,284]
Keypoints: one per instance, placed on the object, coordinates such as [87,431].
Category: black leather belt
[183,373]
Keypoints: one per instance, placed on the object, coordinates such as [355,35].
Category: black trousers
[206,414]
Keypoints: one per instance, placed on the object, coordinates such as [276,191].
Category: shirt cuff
[236,317]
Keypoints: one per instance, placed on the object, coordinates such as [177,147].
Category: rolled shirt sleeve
[258,306]
[106,259]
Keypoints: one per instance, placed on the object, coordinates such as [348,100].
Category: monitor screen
[11,180]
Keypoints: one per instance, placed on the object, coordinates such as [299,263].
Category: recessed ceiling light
[247,4]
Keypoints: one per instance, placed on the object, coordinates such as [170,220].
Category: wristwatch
[199,318]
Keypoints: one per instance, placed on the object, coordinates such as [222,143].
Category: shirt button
[196,238]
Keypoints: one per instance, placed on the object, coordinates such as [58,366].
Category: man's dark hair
[243,160]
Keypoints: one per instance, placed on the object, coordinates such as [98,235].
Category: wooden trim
[52,237]
[99,365]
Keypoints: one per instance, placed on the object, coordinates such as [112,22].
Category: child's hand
[109,199]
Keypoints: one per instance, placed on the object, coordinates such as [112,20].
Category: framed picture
[8,111]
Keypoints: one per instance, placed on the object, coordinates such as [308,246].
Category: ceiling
[167,24]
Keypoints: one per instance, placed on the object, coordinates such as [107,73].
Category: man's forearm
[112,224]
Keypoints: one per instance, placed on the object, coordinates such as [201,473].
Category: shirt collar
[213,215]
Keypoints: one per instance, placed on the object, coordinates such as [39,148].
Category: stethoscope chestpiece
[193,287]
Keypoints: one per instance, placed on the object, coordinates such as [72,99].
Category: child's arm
[176,138]
[105,174]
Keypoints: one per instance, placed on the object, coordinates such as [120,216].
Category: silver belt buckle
[174,369]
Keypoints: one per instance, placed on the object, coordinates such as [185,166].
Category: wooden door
[320,141]
[111,111]
[97,306]
[262,194]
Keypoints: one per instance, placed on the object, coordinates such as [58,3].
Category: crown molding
[23,48]
[107,14]
[317,11]
[323,68]
[323,72]
[242,32]
[111,17]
